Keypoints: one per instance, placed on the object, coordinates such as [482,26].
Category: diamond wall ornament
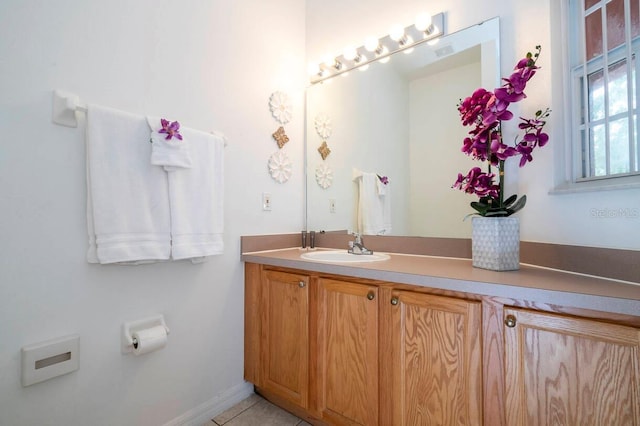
[324,150]
[281,137]
[322,123]
[280,107]
[280,166]
[324,175]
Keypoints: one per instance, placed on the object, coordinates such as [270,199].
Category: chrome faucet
[357,246]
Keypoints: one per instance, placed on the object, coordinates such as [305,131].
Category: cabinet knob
[510,321]
[371,295]
[301,284]
[394,300]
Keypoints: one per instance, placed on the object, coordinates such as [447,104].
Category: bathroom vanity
[431,340]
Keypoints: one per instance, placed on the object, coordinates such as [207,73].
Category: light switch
[266,201]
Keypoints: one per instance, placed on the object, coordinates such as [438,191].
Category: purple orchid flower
[477,182]
[170,129]
[484,112]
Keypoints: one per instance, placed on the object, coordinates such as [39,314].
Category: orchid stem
[501,192]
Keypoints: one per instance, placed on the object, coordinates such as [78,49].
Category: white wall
[210,64]
[567,219]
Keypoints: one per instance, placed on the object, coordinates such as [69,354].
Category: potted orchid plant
[486,112]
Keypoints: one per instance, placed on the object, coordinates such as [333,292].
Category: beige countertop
[532,283]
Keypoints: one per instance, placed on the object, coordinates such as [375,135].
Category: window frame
[573,21]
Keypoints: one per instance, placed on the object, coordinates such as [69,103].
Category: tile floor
[256,411]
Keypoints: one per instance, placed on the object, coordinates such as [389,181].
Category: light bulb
[371,44]
[423,22]
[396,33]
[313,68]
[350,53]
[364,67]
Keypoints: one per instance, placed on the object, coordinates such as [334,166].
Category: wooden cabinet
[284,341]
[432,349]
[570,371]
[347,352]
[341,351]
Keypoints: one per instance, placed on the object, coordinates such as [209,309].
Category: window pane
[585,155]
[618,101]
[596,96]
[619,146]
[593,34]
[636,143]
[633,81]
[635,18]
[589,3]
[615,23]
[598,151]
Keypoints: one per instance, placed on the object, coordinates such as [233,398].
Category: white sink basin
[342,256]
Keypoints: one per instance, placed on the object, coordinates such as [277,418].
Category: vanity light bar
[412,36]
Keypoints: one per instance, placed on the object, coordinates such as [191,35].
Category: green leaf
[510,200]
[469,215]
[479,207]
[497,213]
[520,204]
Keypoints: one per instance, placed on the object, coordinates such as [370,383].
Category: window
[605,44]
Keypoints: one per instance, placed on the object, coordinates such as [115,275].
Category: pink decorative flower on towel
[171,129]
[383,179]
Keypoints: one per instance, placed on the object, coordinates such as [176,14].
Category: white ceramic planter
[495,243]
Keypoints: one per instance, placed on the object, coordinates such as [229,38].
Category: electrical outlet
[266,201]
[332,205]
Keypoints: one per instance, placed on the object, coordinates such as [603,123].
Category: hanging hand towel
[374,204]
[170,152]
[196,199]
[127,197]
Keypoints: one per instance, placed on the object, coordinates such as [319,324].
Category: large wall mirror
[397,120]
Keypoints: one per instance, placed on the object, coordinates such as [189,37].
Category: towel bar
[65,106]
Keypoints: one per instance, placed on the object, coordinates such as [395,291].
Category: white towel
[196,199]
[127,197]
[170,153]
[374,204]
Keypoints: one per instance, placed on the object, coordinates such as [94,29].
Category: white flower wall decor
[280,106]
[324,175]
[280,166]
[322,123]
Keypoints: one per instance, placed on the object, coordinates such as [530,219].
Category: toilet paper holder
[128,328]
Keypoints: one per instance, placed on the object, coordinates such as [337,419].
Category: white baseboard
[216,405]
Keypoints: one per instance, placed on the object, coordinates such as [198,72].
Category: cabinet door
[347,358]
[570,371]
[434,359]
[285,336]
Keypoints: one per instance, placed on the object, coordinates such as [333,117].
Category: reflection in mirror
[397,120]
